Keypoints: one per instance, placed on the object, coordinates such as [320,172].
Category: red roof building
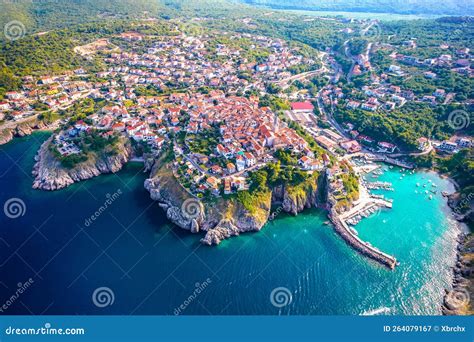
[302,106]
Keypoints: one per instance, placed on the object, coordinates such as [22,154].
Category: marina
[319,256]
[367,205]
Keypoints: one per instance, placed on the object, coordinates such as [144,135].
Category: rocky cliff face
[458,300]
[51,175]
[294,199]
[223,218]
[20,131]
[6,136]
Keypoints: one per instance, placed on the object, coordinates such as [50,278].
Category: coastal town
[234,157]
[205,100]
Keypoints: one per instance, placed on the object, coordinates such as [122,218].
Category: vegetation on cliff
[93,145]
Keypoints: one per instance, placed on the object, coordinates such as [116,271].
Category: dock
[362,247]
[388,160]
[341,227]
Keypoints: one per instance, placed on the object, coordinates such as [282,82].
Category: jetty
[374,157]
[362,247]
[388,160]
[366,204]
[379,185]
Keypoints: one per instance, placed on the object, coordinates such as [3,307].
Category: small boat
[434,185]
[417,184]
[444,193]
[431,197]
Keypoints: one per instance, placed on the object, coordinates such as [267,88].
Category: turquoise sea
[151,267]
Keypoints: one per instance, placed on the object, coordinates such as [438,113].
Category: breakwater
[362,247]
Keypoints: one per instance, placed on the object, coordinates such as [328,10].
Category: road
[286,82]
[349,55]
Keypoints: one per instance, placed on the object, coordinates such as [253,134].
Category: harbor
[364,207]
[362,247]
[302,251]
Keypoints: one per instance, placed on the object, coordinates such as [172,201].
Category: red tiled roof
[302,106]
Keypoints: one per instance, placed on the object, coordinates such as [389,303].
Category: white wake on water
[379,311]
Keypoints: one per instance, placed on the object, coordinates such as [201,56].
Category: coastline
[218,227]
[462,270]
[22,130]
[51,175]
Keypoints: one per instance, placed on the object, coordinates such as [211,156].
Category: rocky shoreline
[458,300]
[20,130]
[226,218]
[454,301]
[51,175]
[223,218]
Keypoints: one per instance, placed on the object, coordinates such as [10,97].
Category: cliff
[221,218]
[20,130]
[6,136]
[458,300]
[295,198]
[462,206]
[50,174]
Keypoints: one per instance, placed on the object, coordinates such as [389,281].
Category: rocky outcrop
[23,130]
[20,130]
[6,136]
[294,199]
[223,218]
[51,175]
[457,301]
[462,206]
[224,230]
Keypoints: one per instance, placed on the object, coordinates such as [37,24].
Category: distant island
[424,7]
